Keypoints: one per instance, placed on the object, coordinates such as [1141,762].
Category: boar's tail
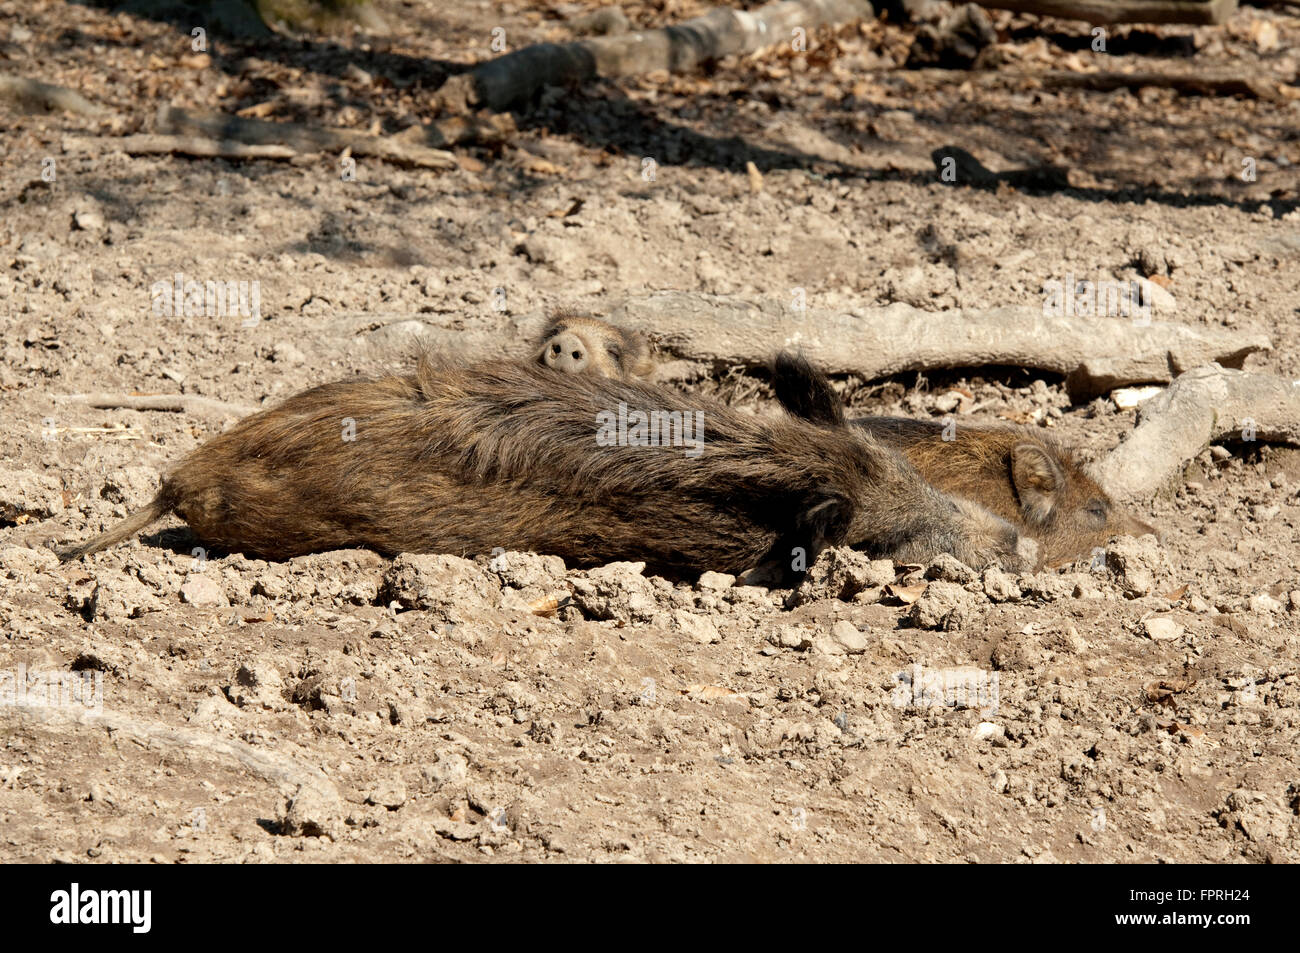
[804,391]
[124,530]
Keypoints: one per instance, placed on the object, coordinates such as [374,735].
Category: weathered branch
[176,403]
[1205,404]
[262,133]
[146,145]
[34,96]
[681,48]
[1095,354]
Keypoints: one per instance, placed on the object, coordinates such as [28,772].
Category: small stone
[1162,629]
[312,812]
[1152,261]
[257,685]
[199,590]
[387,792]
[287,353]
[1074,641]
[1135,564]
[31,495]
[849,638]
[437,582]
[716,581]
[697,627]
[450,768]
[989,731]
[841,573]
[88,220]
[1000,586]
[791,637]
[212,709]
[826,645]
[950,569]
[1264,603]
[1161,302]
[943,605]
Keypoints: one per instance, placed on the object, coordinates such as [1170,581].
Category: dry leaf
[535,164]
[258,111]
[548,605]
[1162,691]
[572,210]
[906,594]
[470,164]
[707,692]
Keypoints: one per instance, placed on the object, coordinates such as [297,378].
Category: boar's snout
[566,352]
[1129,525]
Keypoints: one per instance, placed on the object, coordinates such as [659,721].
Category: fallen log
[683,47]
[1204,405]
[1095,355]
[1101,12]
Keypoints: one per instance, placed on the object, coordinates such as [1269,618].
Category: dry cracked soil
[1140,707]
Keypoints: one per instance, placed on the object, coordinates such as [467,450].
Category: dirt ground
[350,707]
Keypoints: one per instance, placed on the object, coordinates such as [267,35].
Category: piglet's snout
[566,352]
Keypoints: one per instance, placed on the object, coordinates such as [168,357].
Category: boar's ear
[826,522]
[1036,477]
[637,354]
[805,392]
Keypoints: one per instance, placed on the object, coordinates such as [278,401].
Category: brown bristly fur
[503,454]
[1021,475]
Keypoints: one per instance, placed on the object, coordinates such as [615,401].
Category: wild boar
[580,344]
[524,457]
[1022,475]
